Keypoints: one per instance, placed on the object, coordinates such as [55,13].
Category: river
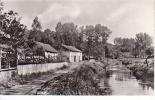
[122,82]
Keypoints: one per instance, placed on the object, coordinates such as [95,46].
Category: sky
[124,18]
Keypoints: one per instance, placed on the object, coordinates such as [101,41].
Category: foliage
[143,40]
[12,31]
[149,51]
[12,28]
[138,47]
[124,44]
[82,81]
[36,25]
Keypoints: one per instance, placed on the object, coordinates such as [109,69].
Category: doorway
[74,58]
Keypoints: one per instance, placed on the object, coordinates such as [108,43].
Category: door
[74,58]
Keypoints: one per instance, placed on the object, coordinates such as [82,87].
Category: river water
[122,82]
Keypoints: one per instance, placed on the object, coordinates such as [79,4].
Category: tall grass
[82,81]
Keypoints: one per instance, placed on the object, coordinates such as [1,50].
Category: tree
[90,33]
[143,42]
[66,34]
[36,25]
[124,44]
[70,34]
[135,52]
[149,51]
[47,37]
[13,30]
[103,32]
[35,33]
[1,6]
[59,35]
[93,39]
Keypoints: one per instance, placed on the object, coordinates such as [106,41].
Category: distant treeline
[91,39]
[140,46]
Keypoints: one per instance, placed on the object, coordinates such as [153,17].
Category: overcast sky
[124,17]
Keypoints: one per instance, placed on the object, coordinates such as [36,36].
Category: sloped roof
[71,48]
[47,47]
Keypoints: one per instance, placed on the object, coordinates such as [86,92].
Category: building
[50,52]
[71,53]
[39,53]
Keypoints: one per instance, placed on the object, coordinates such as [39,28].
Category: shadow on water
[104,84]
[122,82]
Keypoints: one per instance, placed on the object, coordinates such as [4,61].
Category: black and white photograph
[77,47]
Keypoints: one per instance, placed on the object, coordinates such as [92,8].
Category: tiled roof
[47,47]
[71,48]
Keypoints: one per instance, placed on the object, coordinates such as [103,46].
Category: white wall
[54,55]
[72,54]
[78,56]
[35,68]
[5,76]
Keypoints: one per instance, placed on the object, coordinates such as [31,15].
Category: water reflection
[146,86]
[122,82]
[105,86]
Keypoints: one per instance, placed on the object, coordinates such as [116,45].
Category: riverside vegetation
[82,81]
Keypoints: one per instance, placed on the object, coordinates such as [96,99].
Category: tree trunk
[16,56]
[146,61]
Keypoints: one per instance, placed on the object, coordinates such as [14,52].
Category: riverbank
[28,84]
[142,71]
[84,80]
[76,79]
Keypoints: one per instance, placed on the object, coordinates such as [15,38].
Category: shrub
[63,67]
[82,81]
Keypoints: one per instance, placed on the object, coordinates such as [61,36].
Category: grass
[82,81]
[143,72]
[23,79]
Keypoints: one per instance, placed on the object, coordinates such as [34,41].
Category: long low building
[50,52]
[43,52]
[71,53]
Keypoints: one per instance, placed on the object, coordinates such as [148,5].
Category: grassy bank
[143,72]
[23,79]
[82,81]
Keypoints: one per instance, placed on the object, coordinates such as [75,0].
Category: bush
[126,62]
[143,72]
[82,81]
[63,67]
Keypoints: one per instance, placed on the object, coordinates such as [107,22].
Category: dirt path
[31,87]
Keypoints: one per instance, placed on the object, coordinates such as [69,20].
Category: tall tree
[143,41]
[103,32]
[35,33]
[1,6]
[124,44]
[48,37]
[12,29]
[66,34]
[36,25]
[59,35]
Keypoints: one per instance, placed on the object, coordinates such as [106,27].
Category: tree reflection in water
[107,88]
